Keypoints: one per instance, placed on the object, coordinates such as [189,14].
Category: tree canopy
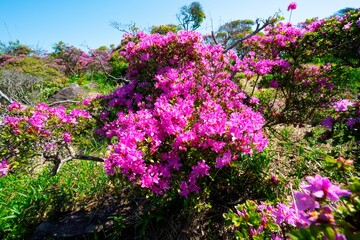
[191,17]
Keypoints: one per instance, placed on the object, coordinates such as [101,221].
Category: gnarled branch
[260,25]
[106,72]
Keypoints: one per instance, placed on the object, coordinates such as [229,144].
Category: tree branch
[2,95]
[88,157]
[214,38]
[260,25]
[72,155]
[106,73]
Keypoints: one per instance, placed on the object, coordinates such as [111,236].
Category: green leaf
[302,234]
[9,217]
[329,232]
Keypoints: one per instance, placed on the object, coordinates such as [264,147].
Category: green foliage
[164,29]
[337,40]
[33,67]
[314,232]
[118,65]
[27,200]
[98,82]
[247,220]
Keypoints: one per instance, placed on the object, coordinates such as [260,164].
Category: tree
[15,48]
[164,29]
[191,17]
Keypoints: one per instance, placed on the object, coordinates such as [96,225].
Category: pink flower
[67,137]
[321,188]
[347,26]
[4,168]
[342,105]
[305,201]
[292,6]
[254,100]
[224,160]
[15,106]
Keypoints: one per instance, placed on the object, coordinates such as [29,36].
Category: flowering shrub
[342,128]
[313,212]
[326,35]
[75,62]
[302,87]
[304,73]
[181,117]
[30,133]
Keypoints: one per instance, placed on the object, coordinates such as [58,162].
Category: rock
[92,85]
[70,92]
[74,225]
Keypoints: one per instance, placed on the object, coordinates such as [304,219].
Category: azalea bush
[181,117]
[75,62]
[304,74]
[32,135]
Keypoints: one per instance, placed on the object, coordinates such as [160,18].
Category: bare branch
[125,28]
[88,157]
[214,38]
[260,25]
[72,155]
[106,73]
[2,95]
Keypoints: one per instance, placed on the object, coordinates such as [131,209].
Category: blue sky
[42,23]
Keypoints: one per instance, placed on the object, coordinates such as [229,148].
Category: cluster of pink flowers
[37,118]
[181,115]
[342,105]
[348,115]
[310,207]
[276,38]
[285,214]
[277,60]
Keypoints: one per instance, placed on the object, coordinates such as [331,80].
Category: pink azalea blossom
[305,201]
[321,188]
[292,6]
[67,137]
[347,26]
[4,168]
[342,105]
